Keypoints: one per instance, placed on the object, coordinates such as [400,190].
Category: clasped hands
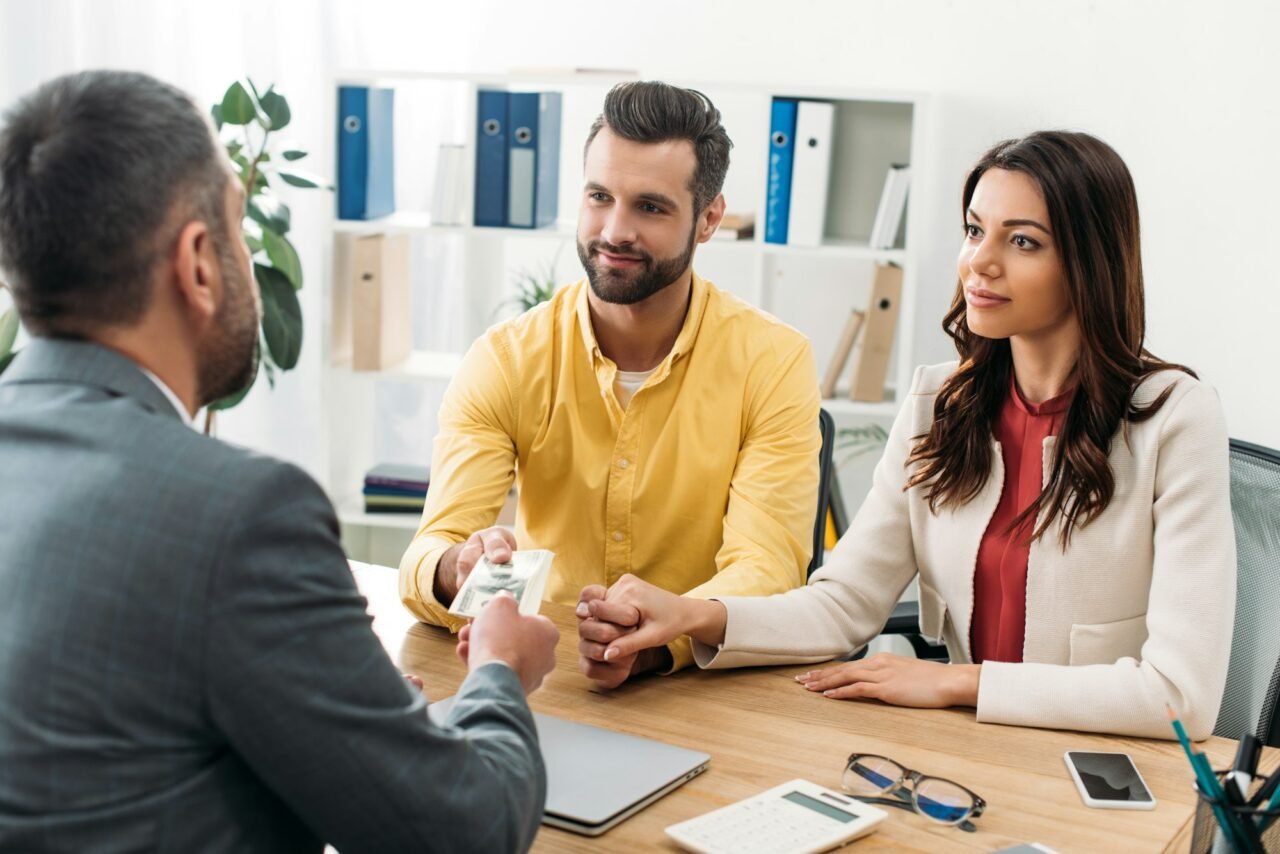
[623,631]
[620,627]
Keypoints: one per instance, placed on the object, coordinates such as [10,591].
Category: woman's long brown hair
[1093,211]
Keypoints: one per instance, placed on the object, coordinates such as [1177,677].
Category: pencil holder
[1257,830]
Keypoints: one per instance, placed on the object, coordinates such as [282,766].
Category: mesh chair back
[827,427]
[1253,677]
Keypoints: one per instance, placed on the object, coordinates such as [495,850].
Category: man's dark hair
[93,168]
[651,111]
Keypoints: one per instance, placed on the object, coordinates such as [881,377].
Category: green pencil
[1210,787]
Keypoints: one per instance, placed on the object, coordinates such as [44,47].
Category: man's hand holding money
[496,543]
[526,644]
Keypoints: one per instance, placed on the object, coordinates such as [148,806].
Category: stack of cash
[525,578]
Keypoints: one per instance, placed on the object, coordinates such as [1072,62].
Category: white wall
[1185,91]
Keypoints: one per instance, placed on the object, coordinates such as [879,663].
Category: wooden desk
[762,729]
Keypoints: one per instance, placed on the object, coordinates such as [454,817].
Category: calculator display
[818,806]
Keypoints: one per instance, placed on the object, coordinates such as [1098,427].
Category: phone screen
[1109,776]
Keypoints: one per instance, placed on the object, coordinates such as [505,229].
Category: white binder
[811,172]
[893,202]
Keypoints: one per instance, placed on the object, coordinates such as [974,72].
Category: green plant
[8,333]
[854,442]
[246,120]
[532,287]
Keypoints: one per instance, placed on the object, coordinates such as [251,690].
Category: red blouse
[1000,577]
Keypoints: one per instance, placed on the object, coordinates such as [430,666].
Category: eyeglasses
[880,780]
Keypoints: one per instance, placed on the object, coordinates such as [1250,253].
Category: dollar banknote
[525,578]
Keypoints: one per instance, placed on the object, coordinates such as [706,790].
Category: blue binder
[533,164]
[366,152]
[491,158]
[782,131]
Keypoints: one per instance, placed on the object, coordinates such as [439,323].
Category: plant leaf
[276,108]
[281,316]
[270,213]
[216,113]
[283,256]
[302,179]
[6,359]
[293,154]
[238,107]
[8,331]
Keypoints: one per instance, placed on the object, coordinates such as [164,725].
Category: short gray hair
[93,167]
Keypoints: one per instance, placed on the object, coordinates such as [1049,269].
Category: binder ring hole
[523,134]
[813,142]
[884,305]
[491,127]
[351,123]
[779,139]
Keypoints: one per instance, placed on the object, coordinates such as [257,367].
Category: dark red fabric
[1000,577]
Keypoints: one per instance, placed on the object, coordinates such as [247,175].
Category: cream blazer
[1135,614]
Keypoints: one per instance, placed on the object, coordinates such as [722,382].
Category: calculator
[798,817]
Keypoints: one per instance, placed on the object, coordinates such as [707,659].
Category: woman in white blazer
[1060,493]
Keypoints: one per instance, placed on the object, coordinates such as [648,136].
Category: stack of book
[395,488]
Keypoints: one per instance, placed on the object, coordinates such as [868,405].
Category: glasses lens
[943,801]
[868,776]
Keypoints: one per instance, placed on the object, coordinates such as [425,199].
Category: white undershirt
[168,392]
[627,383]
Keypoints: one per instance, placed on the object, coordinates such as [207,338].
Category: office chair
[905,619]
[1253,675]
[826,476]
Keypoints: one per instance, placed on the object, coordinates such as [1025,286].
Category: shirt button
[623,463]
[618,536]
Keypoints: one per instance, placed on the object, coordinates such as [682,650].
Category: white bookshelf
[810,287]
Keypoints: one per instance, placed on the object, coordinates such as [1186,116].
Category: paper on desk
[525,578]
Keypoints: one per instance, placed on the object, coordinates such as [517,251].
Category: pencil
[1209,786]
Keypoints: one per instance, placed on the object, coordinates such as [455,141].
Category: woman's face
[1009,266]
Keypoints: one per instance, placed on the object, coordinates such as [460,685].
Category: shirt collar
[168,393]
[1052,406]
[685,340]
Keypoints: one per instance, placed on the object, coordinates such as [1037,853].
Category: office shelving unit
[461,271]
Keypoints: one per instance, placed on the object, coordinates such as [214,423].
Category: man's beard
[628,287]
[229,357]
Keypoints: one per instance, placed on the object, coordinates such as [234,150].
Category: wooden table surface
[762,729]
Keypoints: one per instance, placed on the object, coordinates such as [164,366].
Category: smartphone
[1109,780]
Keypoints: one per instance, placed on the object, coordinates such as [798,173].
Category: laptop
[585,792]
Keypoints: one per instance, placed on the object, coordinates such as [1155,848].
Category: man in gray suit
[185,662]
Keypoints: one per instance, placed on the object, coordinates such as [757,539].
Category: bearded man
[185,661]
[652,423]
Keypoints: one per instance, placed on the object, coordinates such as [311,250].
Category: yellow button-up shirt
[706,483]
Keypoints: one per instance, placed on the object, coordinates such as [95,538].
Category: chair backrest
[827,427]
[1253,676]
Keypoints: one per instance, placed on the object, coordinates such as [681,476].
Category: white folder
[811,172]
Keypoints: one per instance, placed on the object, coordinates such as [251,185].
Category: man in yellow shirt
[653,424]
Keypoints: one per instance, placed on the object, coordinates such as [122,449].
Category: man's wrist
[653,660]
[444,584]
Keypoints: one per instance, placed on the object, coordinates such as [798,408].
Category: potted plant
[532,287]
[246,119]
[8,333]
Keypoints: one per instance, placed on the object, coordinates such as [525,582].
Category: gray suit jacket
[185,662]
